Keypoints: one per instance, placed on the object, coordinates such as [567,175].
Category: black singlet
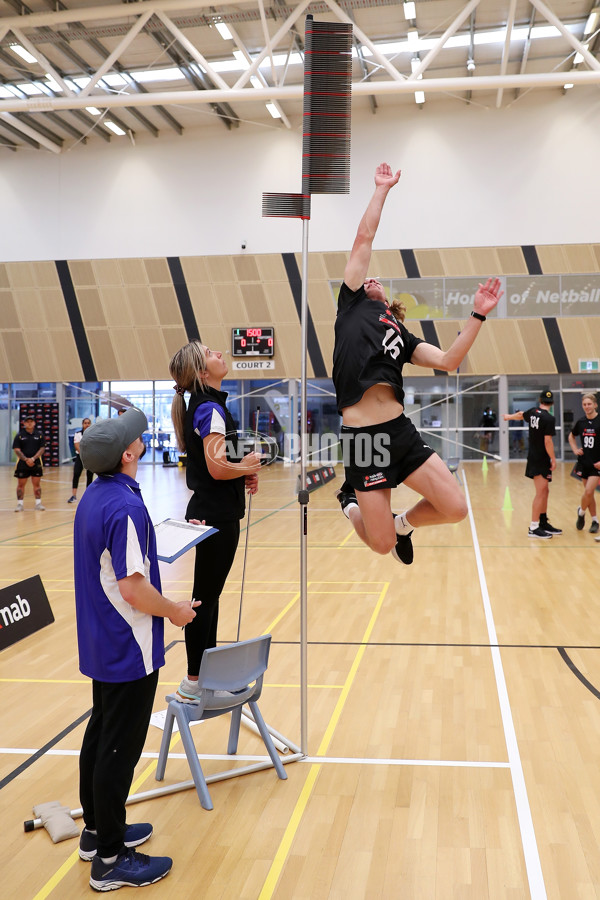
[371,347]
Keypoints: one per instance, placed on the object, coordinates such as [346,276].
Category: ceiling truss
[60,114]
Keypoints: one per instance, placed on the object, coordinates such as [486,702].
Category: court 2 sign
[24,609]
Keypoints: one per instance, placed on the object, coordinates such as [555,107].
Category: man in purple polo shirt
[120,615]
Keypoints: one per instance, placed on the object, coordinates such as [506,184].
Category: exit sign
[589,365]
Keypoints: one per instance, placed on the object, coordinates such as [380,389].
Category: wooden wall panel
[326,335]
[335,263]
[46,275]
[553,260]
[128,354]
[92,311]
[204,299]
[580,258]
[271,268]
[65,350]
[484,357]
[29,307]
[82,272]
[323,306]
[55,310]
[231,304]
[281,303]
[581,337]
[537,346]
[20,275]
[141,304]
[4,282]
[195,270]
[9,317]
[157,271]
[484,261]
[510,347]
[218,337]
[107,272]
[133,271]
[385,264]
[167,307]
[288,348]
[174,339]
[430,263]
[103,354]
[317,270]
[511,261]
[153,351]
[19,363]
[5,372]
[220,269]
[44,366]
[246,268]
[255,302]
[457,262]
[116,308]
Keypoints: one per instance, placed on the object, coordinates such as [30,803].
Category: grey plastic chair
[453,464]
[230,676]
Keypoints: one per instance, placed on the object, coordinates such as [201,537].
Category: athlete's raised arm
[360,256]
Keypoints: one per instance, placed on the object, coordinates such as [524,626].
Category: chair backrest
[232,667]
[453,463]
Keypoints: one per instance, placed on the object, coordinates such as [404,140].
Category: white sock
[402,525]
[594,518]
[108,859]
[580,511]
[534,525]
[346,509]
[19,503]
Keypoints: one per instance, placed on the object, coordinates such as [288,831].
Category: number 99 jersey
[371,347]
[588,431]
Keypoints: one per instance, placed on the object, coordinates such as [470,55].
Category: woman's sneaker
[134,836]
[189,692]
[540,533]
[594,528]
[130,869]
[346,497]
[550,529]
[403,551]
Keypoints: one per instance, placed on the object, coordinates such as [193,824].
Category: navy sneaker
[130,869]
[580,520]
[594,527]
[134,836]
[346,497]
[403,551]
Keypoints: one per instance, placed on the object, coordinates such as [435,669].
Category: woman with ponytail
[206,432]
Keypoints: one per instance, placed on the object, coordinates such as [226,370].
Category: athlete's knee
[457,510]
[382,545]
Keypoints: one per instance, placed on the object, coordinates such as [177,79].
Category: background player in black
[371,346]
[587,465]
[29,449]
[541,461]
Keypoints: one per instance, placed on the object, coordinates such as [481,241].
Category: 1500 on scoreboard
[252,341]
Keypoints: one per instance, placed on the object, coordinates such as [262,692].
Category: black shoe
[346,497]
[580,521]
[403,551]
[550,529]
[594,528]
[539,533]
[72,500]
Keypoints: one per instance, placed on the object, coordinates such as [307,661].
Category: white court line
[331,760]
[535,876]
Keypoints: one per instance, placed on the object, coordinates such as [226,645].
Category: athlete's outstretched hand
[385,177]
[487,296]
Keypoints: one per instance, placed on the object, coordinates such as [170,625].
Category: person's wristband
[477,315]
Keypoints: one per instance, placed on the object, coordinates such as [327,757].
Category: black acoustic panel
[183,298]
[532,260]
[286,206]
[557,346]
[77,326]
[411,265]
[312,340]
[326,115]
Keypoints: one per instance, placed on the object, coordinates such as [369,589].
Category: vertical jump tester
[325,170]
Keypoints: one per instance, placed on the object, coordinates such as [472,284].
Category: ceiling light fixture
[410,11]
[592,21]
[23,53]
[470,65]
[223,31]
[273,110]
[567,87]
[412,37]
[93,111]
[578,58]
[114,128]
[420,97]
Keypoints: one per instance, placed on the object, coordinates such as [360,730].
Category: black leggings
[214,558]
[77,470]
[111,748]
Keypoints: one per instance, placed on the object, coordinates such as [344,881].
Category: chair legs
[260,724]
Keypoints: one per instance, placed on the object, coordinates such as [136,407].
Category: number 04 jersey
[371,347]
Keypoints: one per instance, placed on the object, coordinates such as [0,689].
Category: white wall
[471,177]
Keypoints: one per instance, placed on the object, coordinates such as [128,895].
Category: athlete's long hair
[398,309]
[187,368]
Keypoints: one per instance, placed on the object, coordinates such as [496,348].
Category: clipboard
[175,537]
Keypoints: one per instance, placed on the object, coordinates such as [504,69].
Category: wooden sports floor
[453,706]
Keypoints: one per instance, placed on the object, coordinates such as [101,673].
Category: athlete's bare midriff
[378,404]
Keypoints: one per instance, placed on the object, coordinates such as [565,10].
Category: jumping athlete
[587,465]
[382,448]
[541,461]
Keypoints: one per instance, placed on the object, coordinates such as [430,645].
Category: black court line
[588,684]
[55,740]
[34,758]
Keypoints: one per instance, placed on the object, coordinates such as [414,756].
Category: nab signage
[24,608]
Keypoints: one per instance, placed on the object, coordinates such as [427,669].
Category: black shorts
[585,469]
[382,456]
[25,471]
[535,467]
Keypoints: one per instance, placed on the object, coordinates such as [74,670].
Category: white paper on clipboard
[174,537]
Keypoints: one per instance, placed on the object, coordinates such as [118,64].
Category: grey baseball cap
[103,443]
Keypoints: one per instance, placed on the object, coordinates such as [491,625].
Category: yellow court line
[296,817]
[279,617]
[347,538]
[70,862]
